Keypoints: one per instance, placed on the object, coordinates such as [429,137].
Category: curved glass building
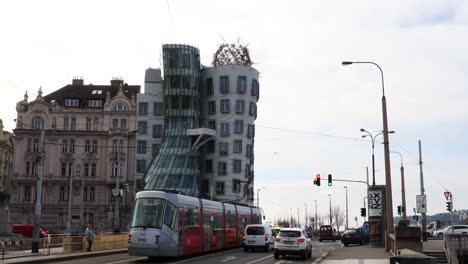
[176,165]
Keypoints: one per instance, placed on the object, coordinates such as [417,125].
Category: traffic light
[449,206]
[399,209]
[317,180]
[329,180]
[363,212]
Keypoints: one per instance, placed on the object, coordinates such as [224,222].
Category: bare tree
[338,216]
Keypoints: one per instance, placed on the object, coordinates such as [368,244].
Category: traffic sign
[447,194]
[421,204]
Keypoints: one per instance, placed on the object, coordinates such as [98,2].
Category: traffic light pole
[38,209]
[423,215]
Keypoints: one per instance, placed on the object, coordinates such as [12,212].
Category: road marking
[257,260]
[228,259]
[208,255]
[127,260]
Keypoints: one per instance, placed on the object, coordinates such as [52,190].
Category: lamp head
[363,130]
[344,63]
[391,132]
[363,136]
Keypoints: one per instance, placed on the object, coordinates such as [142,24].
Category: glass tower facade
[175,167]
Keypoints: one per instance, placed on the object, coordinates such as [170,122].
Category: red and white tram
[169,224]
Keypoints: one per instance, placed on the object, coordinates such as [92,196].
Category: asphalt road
[234,256]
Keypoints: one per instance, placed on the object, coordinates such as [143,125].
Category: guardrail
[456,248]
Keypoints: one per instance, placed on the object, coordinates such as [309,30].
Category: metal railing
[456,247]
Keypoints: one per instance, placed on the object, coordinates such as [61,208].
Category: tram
[170,225]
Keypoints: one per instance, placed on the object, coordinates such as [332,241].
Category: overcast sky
[311,107]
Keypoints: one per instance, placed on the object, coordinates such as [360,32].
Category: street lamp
[258,197]
[373,144]
[388,178]
[346,187]
[316,220]
[330,210]
[403,194]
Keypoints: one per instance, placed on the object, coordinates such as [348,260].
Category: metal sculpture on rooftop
[232,54]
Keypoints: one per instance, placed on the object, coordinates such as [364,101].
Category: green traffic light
[329,184]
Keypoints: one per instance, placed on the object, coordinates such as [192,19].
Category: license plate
[142,240]
[251,242]
[289,242]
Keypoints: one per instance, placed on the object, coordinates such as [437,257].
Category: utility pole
[117,187]
[346,187]
[306,222]
[316,220]
[82,198]
[330,210]
[290,219]
[38,209]
[258,197]
[298,218]
[70,198]
[423,215]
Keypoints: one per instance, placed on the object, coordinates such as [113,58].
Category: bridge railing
[456,248]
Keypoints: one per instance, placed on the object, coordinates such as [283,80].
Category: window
[29,146]
[211,107]
[115,168]
[141,165]
[93,169]
[154,149]
[212,124]
[205,186]
[62,194]
[238,126]
[143,109]
[254,90]
[86,169]
[65,123]
[247,170]
[236,183]
[28,167]
[88,124]
[208,165]
[223,149]
[170,215]
[64,146]
[92,194]
[120,107]
[123,123]
[209,86]
[224,84]
[27,194]
[252,109]
[240,106]
[237,146]
[60,220]
[87,145]
[115,146]
[249,150]
[115,123]
[72,102]
[73,123]
[94,146]
[157,109]
[95,103]
[63,170]
[34,168]
[142,127]
[210,146]
[241,84]
[237,166]
[250,131]
[35,145]
[219,187]
[85,193]
[72,146]
[141,146]
[70,168]
[224,107]
[95,124]
[157,131]
[37,122]
[225,129]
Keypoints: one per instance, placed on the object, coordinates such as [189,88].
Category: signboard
[375,202]
[421,204]
[447,195]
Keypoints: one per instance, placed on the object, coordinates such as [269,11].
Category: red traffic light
[317,176]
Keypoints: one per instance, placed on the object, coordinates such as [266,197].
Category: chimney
[77,81]
[116,81]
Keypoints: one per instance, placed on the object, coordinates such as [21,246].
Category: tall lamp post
[316,220]
[346,187]
[403,193]
[388,178]
[258,197]
[330,210]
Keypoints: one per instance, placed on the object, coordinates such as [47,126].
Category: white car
[258,236]
[456,229]
[293,241]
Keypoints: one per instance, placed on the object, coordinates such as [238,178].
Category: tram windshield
[148,213]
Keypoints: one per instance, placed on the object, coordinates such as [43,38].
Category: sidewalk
[357,254]
[41,258]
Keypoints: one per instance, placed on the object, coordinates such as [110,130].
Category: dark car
[326,233]
[355,236]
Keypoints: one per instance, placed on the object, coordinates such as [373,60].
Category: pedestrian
[89,237]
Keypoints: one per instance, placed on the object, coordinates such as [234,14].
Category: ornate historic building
[6,156]
[89,143]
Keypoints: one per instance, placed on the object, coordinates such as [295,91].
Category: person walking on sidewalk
[89,237]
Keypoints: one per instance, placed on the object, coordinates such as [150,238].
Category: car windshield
[350,231]
[148,213]
[289,233]
[255,230]
[325,229]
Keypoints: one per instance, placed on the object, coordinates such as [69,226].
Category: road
[234,256]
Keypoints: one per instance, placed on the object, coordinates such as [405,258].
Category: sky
[311,108]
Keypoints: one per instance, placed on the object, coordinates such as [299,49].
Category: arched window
[119,107]
[37,122]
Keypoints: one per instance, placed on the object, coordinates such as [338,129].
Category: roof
[89,92]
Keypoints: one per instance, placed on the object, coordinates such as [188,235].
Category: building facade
[208,145]
[6,157]
[89,139]
[150,123]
